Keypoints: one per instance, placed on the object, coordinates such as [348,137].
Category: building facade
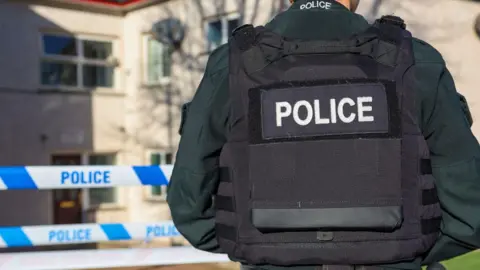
[85,83]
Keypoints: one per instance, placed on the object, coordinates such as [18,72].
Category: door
[67,203]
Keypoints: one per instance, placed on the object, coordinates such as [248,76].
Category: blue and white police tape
[26,236]
[61,177]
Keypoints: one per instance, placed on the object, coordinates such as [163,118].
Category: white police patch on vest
[324,110]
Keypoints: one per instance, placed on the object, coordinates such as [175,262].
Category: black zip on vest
[325,163]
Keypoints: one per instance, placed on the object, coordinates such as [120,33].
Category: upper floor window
[219,30]
[158,61]
[73,62]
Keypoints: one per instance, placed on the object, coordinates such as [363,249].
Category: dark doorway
[67,203]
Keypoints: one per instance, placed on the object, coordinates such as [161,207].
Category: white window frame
[86,192]
[149,191]
[164,79]
[79,60]
[225,34]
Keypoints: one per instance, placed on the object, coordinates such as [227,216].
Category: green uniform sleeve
[195,173]
[455,155]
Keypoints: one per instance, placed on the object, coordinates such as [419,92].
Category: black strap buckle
[393,20]
[245,27]
[244,36]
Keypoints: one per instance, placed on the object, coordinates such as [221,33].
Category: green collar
[318,5]
[336,22]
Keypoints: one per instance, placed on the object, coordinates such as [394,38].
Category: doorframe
[85,198]
[85,191]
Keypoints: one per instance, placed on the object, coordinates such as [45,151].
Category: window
[219,30]
[72,62]
[98,196]
[158,59]
[160,159]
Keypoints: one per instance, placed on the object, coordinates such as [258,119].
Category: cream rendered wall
[36,123]
[448,25]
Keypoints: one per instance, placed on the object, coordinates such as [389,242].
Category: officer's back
[335,166]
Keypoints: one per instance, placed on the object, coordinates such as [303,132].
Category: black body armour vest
[325,163]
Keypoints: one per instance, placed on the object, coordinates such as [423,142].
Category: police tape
[26,236]
[107,259]
[62,177]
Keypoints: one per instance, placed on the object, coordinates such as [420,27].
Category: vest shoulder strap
[244,36]
[382,42]
[393,21]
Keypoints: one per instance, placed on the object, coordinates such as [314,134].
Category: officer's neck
[345,3]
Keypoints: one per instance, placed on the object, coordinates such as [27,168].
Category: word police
[69,235]
[284,109]
[161,231]
[82,177]
[316,4]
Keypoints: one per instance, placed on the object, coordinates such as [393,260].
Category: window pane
[166,61]
[214,34]
[58,73]
[155,159]
[154,61]
[102,195]
[97,49]
[156,190]
[97,76]
[232,24]
[99,196]
[59,45]
[102,159]
[169,158]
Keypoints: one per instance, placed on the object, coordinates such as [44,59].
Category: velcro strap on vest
[430,226]
[224,203]
[393,20]
[425,166]
[226,231]
[244,36]
[274,46]
[359,45]
[429,196]
[224,174]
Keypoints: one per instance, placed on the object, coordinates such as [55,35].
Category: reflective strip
[224,203]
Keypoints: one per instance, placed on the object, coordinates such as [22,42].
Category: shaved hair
[354,5]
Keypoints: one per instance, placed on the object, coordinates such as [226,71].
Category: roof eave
[116,10]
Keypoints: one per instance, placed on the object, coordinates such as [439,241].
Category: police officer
[284,165]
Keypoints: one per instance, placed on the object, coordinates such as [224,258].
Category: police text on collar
[316,4]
